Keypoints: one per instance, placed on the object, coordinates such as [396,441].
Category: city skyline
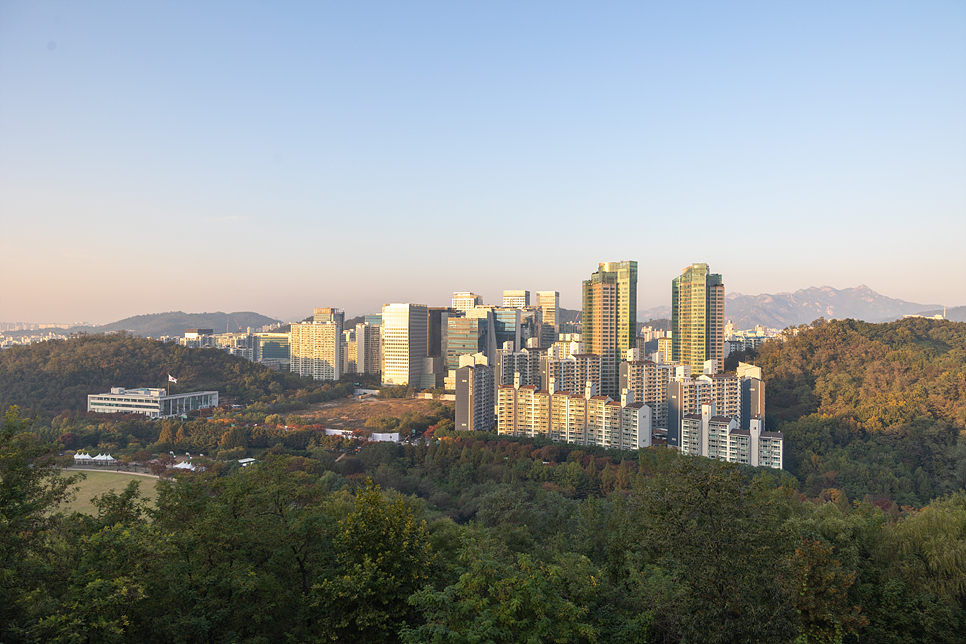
[242,156]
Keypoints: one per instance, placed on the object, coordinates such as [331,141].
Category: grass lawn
[353,414]
[97,483]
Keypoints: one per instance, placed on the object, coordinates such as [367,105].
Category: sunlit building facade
[403,343]
[610,318]
[697,317]
[316,349]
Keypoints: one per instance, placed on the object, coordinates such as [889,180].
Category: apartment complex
[583,419]
[716,436]
[474,398]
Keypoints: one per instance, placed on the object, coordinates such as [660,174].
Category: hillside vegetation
[871,409]
[548,545]
[50,377]
[174,323]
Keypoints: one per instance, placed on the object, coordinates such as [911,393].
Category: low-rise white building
[153,403]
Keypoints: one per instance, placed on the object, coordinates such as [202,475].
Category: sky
[275,157]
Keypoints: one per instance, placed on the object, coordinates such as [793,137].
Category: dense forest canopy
[51,377]
[473,537]
[871,409]
[671,549]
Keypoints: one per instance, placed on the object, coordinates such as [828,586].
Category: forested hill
[156,325]
[871,409]
[58,375]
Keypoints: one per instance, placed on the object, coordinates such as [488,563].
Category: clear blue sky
[159,156]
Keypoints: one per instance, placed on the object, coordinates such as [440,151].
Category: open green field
[98,483]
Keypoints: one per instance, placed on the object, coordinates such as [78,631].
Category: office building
[403,343]
[368,348]
[272,347]
[328,314]
[516,299]
[316,347]
[465,300]
[437,318]
[610,318]
[549,303]
[697,317]
[466,336]
[153,403]
[474,398]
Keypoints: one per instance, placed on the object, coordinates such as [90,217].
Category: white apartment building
[713,436]
[583,419]
[316,349]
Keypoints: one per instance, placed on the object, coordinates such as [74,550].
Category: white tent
[82,457]
[184,465]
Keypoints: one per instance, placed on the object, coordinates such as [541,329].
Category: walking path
[109,470]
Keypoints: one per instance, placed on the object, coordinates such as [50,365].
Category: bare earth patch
[353,414]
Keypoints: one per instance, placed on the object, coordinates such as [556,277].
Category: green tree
[384,556]
[719,533]
[522,601]
[31,487]
[819,588]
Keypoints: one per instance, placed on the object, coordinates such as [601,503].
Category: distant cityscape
[521,367]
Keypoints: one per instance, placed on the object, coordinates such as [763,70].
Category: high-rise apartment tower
[697,317]
[610,319]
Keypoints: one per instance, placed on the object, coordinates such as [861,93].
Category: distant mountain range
[155,325]
[804,306]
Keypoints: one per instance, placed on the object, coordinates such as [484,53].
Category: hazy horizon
[255,157]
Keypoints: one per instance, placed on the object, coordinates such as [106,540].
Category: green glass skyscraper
[697,318]
[609,319]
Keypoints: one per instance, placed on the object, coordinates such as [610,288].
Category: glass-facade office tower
[464,337]
[610,319]
[549,302]
[403,343]
[697,318]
